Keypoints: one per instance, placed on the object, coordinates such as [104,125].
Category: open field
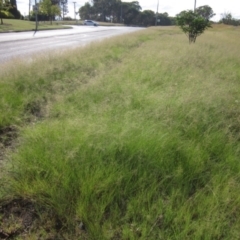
[23,25]
[137,137]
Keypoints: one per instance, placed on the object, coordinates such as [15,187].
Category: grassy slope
[139,138]
[23,25]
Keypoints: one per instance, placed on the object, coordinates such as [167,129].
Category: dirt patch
[16,217]
[35,109]
[7,136]
[23,219]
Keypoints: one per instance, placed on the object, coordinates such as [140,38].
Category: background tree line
[228,19]
[122,12]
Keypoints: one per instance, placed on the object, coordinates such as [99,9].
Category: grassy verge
[23,25]
[138,139]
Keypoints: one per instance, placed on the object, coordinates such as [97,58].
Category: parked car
[90,23]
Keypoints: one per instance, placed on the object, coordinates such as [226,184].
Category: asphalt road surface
[24,45]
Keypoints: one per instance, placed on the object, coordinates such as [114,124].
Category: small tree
[192,24]
[49,9]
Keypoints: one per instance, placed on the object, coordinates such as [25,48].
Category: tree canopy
[228,19]
[205,11]
[86,11]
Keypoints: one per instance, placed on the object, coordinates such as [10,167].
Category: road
[25,44]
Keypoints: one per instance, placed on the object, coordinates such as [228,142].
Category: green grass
[24,25]
[139,139]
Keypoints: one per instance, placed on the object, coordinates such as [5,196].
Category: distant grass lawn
[133,138]
[24,25]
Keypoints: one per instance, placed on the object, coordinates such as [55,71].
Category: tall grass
[137,136]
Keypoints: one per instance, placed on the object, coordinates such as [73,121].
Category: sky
[172,7]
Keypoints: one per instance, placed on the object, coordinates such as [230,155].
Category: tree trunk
[192,38]
[1,21]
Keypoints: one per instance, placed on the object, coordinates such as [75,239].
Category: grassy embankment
[137,137]
[23,25]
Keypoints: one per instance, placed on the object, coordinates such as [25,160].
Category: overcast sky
[172,7]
